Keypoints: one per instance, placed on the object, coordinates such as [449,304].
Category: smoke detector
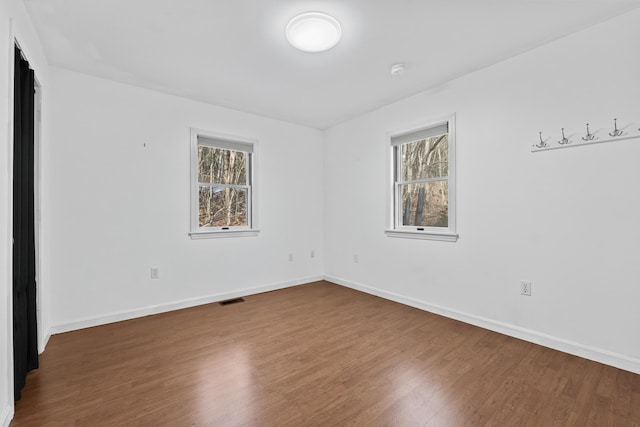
[397,69]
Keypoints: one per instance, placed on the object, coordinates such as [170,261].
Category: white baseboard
[44,342]
[596,354]
[6,416]
[162,308]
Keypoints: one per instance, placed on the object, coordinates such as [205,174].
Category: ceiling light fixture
[313,32]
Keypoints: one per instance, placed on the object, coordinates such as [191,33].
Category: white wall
[568,220]
[14,25]
[119,208]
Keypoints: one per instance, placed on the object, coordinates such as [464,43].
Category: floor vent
[231,301]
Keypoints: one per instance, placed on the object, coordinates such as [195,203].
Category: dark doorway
[25,333]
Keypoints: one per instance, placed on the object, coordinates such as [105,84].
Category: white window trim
[207,233]
[448,234]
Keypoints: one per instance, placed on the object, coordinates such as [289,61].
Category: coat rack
[587,137]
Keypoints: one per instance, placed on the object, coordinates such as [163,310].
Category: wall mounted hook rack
[630,131]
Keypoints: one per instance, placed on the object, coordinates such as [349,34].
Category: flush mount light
[313,32]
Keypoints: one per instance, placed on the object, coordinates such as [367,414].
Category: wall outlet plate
[525,288]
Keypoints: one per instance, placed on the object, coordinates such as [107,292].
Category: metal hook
[542,143]
[589,136]
[616,131]
[564,140]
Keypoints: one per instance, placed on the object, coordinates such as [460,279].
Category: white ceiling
[234,53]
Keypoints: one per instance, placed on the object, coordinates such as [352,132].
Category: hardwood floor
[316,355]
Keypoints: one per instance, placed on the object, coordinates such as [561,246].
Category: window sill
[196,235]
[423,235]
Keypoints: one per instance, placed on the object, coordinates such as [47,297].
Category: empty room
[319,213]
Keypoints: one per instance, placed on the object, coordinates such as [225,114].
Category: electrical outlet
[356,259]
[525,288]
[155,272]
[313,253]
[290,257]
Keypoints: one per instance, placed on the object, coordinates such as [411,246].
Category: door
[25,335]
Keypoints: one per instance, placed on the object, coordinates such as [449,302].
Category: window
[423,181]
[222,187]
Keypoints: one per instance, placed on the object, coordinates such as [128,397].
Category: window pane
[222,207]
[425,204]
[220,166]
[428,158]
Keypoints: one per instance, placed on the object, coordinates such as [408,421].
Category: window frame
[227,142]
[394,221]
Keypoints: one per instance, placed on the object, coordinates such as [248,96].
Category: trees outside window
[424,182]
[222,187]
